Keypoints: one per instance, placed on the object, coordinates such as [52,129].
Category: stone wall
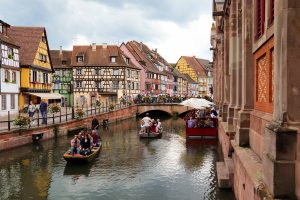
[18,138]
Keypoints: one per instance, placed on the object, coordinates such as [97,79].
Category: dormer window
[79,59]
[127,60]
[64,62]
[113,59]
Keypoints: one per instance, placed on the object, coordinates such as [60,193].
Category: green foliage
[54,108]
[111,107]
[21,121]
[79,114]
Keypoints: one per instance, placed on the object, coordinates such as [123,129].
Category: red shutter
[260,18]
[271,15]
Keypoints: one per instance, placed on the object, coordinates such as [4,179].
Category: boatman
[146,121]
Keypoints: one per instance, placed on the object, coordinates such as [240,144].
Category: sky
[175,27]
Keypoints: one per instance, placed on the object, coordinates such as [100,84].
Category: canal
[127,168]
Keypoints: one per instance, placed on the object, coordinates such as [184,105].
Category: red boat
[211,132]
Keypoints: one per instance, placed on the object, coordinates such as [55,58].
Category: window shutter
[260,18]
[49,78]
[271,12]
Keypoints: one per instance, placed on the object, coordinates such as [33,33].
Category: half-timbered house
[102,72]
[36,66]
[10,71]
[63,75]
[150,76]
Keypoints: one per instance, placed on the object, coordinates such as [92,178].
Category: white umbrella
[197,103]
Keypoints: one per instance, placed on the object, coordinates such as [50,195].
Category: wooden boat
[207,133]
[80,158]
[151,135]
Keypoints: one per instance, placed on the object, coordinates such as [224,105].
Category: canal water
[127,168]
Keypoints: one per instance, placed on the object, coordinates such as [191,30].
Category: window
[1,31]
[271,12]
[3,102]
[78,71]
[79,84]
[137,86]
[10,53]
[260,18]
[113,59]
[79,59]
[96,72]
[44,39]
[12,101]
[137,75]
[127,60]
[45,78]
[42,57]
[115,72]
[64,62]
[14,77]
[128,73]
[34,76]
[115,84]
[7,76]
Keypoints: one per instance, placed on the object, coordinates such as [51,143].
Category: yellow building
[35,62]
[194,68]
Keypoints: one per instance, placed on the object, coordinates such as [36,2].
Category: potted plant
[79,114]
[21,121]
[111,107]
[97,103]
[10,56]
[54,108]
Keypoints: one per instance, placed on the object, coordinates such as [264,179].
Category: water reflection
[127,168]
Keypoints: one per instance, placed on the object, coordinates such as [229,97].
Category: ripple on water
[127,168]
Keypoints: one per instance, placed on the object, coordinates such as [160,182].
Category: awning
[47,95]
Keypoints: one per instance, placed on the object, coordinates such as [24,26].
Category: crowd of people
[149,125]
[202,118]
[84,142]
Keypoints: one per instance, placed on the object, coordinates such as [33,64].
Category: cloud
[175,27]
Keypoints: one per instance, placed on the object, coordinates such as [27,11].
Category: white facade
[9,80]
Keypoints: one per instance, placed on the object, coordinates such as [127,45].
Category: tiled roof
[135,48]
[57,58]
[196,65]
[205,63]
[100,57]
[28,38]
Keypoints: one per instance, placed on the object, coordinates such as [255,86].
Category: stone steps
[225,173]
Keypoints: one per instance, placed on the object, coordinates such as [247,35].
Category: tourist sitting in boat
[191,123]
[153,126]
[85,146]
[158,126]
[208,123]
[146,120]
[81,136]
[96,139]
[75,145]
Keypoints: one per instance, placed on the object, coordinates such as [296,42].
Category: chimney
[141,46]
[104,45]
[156,53]
[94,46]
[60,50]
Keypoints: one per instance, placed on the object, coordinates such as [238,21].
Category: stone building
[256,51]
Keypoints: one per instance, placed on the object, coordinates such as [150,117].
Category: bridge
[169,108]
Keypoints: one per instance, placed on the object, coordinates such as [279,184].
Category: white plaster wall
[12,111]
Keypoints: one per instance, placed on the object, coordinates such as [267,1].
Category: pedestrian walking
[31,111]
[95,124]
[43,110]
